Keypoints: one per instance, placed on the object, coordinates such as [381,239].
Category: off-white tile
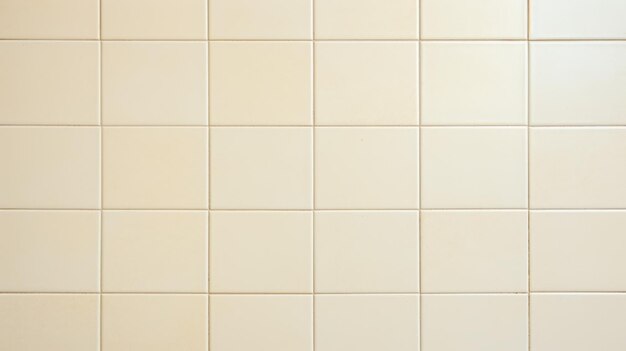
[49,82]
[148,83]
[366,83]
[474,168]
[261,168]
[261,322]
[152,168]
[474,83]
[578,168]
[261,83]
[367,251]
[261,252]
[366,168]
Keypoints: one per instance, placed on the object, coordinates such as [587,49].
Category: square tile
[261,322]
[475,322]
[154,19]
[261,252]
[360,251]
[261,168]
[366,19]
[578,251]
[474,251]
[154,322]
[155,168]
[474,168]
[578,83]
[49,82]
[367,168]
[49,251]
[162,251]
[366,83]
[474,83]
[261,83]
[366,322]
[260,19]
[58,322]
[478,19]
[578,168]
[46,167]
[148,83]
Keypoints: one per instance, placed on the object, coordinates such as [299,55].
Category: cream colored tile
[474,167]
[154,322]
[366,83]
[155,251]
[578,168]
[261,252]
[154,19]
[471,251]
[366,322]
[578,251]
[49,167]
[261,168]
[474,83]
[586,19]
[261,83]
[367,251]
[56,322]
[478,19]
[49,82]
[578,83]
[151,83]
[366,19]
[53,251]
[366,168]
[261,322]
[260,19]
[576,322]
[151,168]
[43,19]
[475,322]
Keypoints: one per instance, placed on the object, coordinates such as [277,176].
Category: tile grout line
[101,134]
[313,170]
[419,174]
[208,155]
[528,116]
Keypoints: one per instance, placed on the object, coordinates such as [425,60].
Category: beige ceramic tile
[261,168]
[471,251]
[366,168]
[49,322]
[155,168]
[154,19]
[578,168]
[53,251]
[366,83]
[261,252]
[366,19]
[260,19]
[49,82]
[474,167]
[578,251]
[149,83]
[154,322]
[366,322]
[261,83]
[575,19]
[578,322]
[475,322]
[474,83]
[367,251]
[261,322]
[49,167]
[44,19]
[578,83]
[154,251]
[478,19]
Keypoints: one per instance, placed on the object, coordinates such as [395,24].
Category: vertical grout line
[419,165]
[101,136]
[208,155]
[528,165]
[314,180]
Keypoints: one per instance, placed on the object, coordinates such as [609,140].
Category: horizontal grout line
[320,126]
[309,293]
[326,40]
[315,210]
